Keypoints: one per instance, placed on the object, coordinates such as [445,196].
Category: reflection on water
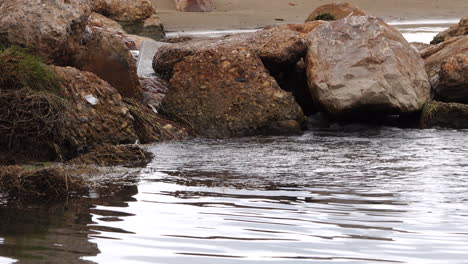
[351,195]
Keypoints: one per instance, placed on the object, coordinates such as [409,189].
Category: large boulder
[227,92]
[50,28]
[277,47]
[435,55]
[453,83]
[107,53]
[194,5]
[459,29]
[337,10]
[362,65]
[449,115]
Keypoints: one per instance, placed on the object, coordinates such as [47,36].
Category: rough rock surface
[50,28]
[362,65]
[453,83]
[95,112]
[107,54]
[227,92]
[449,115]
[459,29]
[277,47]
[194,5]
[338,10]
[435,55]
[124,10]
[154,90]
[419,46]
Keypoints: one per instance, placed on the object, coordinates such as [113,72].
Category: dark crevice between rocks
[293,79]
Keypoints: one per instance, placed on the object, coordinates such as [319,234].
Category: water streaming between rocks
[343,195]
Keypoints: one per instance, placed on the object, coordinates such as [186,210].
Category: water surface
[345,195]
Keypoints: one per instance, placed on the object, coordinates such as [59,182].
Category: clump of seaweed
[152,127]
[30,103]
[325,17]
[111,155]
[43,184]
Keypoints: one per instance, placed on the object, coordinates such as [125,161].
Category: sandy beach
[248,14]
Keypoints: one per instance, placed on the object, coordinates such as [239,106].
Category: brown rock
[93,113]
[449,115]
[124,10]
[227,92]
[49,28]
[98,20]
[338,10]
[453,83]
[435,55]
[362,65]
[194,5]
[459,29]
[150,27]
[419,46]
[107,54]
[276,46]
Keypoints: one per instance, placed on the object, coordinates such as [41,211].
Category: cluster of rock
[90,45]
[265,82]
[447,67]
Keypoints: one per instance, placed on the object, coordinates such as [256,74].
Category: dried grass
[111,155]
[43,184]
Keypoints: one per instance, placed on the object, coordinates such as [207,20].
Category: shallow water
[347,195]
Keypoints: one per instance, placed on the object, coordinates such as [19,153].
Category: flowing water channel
[351,194]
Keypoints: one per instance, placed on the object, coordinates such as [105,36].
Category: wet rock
[93,113]
[453,83]
[49,28]
[361,65]
[124,10]
[435,55]
[338,10]
[194,5]
[459,29]
[277,47]
[114,155]
[227,92]
[448,115]
[107,54]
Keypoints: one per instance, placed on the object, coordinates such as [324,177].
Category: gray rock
[361,65]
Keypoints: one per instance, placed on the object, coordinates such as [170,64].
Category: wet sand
[248,14]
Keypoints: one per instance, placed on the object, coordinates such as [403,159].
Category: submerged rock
[277,47]
[337,10]
[453,83]
[194,5]
[49,28]
[434,56]
[449,115]
[459,29]
[361,65]
[227,92]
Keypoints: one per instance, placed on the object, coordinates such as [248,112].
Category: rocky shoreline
[69,83]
